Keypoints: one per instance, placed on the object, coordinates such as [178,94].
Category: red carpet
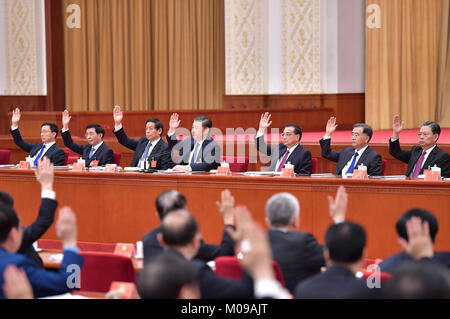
[407,136]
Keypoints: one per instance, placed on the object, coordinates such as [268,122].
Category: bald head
[179,228]
[169,201]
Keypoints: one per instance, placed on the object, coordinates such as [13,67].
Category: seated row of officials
[201,153]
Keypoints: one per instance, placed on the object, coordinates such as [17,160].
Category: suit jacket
[37,230]
[44,283]
[104,154]
[215,287]
[54,153]
[208,159]
[391,263]
[369,158]
[300,157]
[206,252]
[160,152]
[337,282]
[298,254]
[437,157]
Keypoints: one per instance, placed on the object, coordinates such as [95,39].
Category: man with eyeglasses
[351,157]
[37,151]
[96,153]
[289,151]
[150,151]
[421,157]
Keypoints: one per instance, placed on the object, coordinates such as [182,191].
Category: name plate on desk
[111,168]
[78,167]
[24,165]
[287,172]
[359,174]
[127,290]
[93,163]
[126,250]
[223,171]
[432,175]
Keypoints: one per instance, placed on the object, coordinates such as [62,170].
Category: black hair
[169,201]
[6,199]
[8,220]
[53,127]
[435,128]
[206,121]
[98,129]
[345,242]
[164,276]
[180,232]
[367,129]
[297,129]
[423,215]
[158,124]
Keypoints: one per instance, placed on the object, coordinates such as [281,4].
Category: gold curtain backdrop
[443,99]
[146,55]
[402,63]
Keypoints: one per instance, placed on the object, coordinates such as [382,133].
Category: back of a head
[179,228]
[281,209]
[164,276]
[423,215]
[169,201]
[8,220]
[6,199]
[345,242]
[419,280]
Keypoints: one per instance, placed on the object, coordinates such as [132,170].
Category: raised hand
[331,126]
[45,173]
[419,244]
[66,119]
[265,122]
[338,205]
[15,117]
[397,127]
[226,207]
[66,227]
[174,123]
[118,115]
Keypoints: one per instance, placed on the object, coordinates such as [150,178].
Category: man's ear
[161,240]
[326,255]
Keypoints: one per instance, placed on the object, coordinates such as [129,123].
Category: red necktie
[419,165]
[283,161]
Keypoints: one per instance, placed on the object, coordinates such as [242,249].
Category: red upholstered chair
[101,269]
[383,166]
[237,163]
[314,162]
[72,159]
[117,157]
[5,156]
[229,267]
[66,156]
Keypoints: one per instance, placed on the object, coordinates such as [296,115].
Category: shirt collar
[98,145]
[155,142]
[428,151]
[48,145]
[361,150]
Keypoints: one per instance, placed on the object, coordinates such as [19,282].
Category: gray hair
[281,209]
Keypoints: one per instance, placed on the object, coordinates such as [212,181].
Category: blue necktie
[145,155]
[352,165]
[195,153]
[39,155]
[92,152]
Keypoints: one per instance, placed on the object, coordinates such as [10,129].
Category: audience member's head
[345,243]
[6,199]
[419,280]
[283,210]
[10,230]
[169,201]
[424,215]
[168,276]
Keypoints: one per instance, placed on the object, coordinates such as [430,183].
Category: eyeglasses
[44,132]
[287,134]
[420,134]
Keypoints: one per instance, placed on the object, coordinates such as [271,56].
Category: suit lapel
[155,149]
[37,147]
[430,158]
[414,158]
[346,156]
[363,158]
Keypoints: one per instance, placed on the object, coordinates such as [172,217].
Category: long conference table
[120,207]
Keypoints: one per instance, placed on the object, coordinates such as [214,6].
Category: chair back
[5,156]
[237,163]
[314,162]
[117,157]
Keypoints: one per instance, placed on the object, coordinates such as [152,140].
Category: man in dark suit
[150,151]
[48,147]
[44,175]
[427,220]
[298,254]
[44,283]
[351,157]
[290,151]
[180,235]
[345,244]
[198,152]
[96,150]
[427,155]
[172,200]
